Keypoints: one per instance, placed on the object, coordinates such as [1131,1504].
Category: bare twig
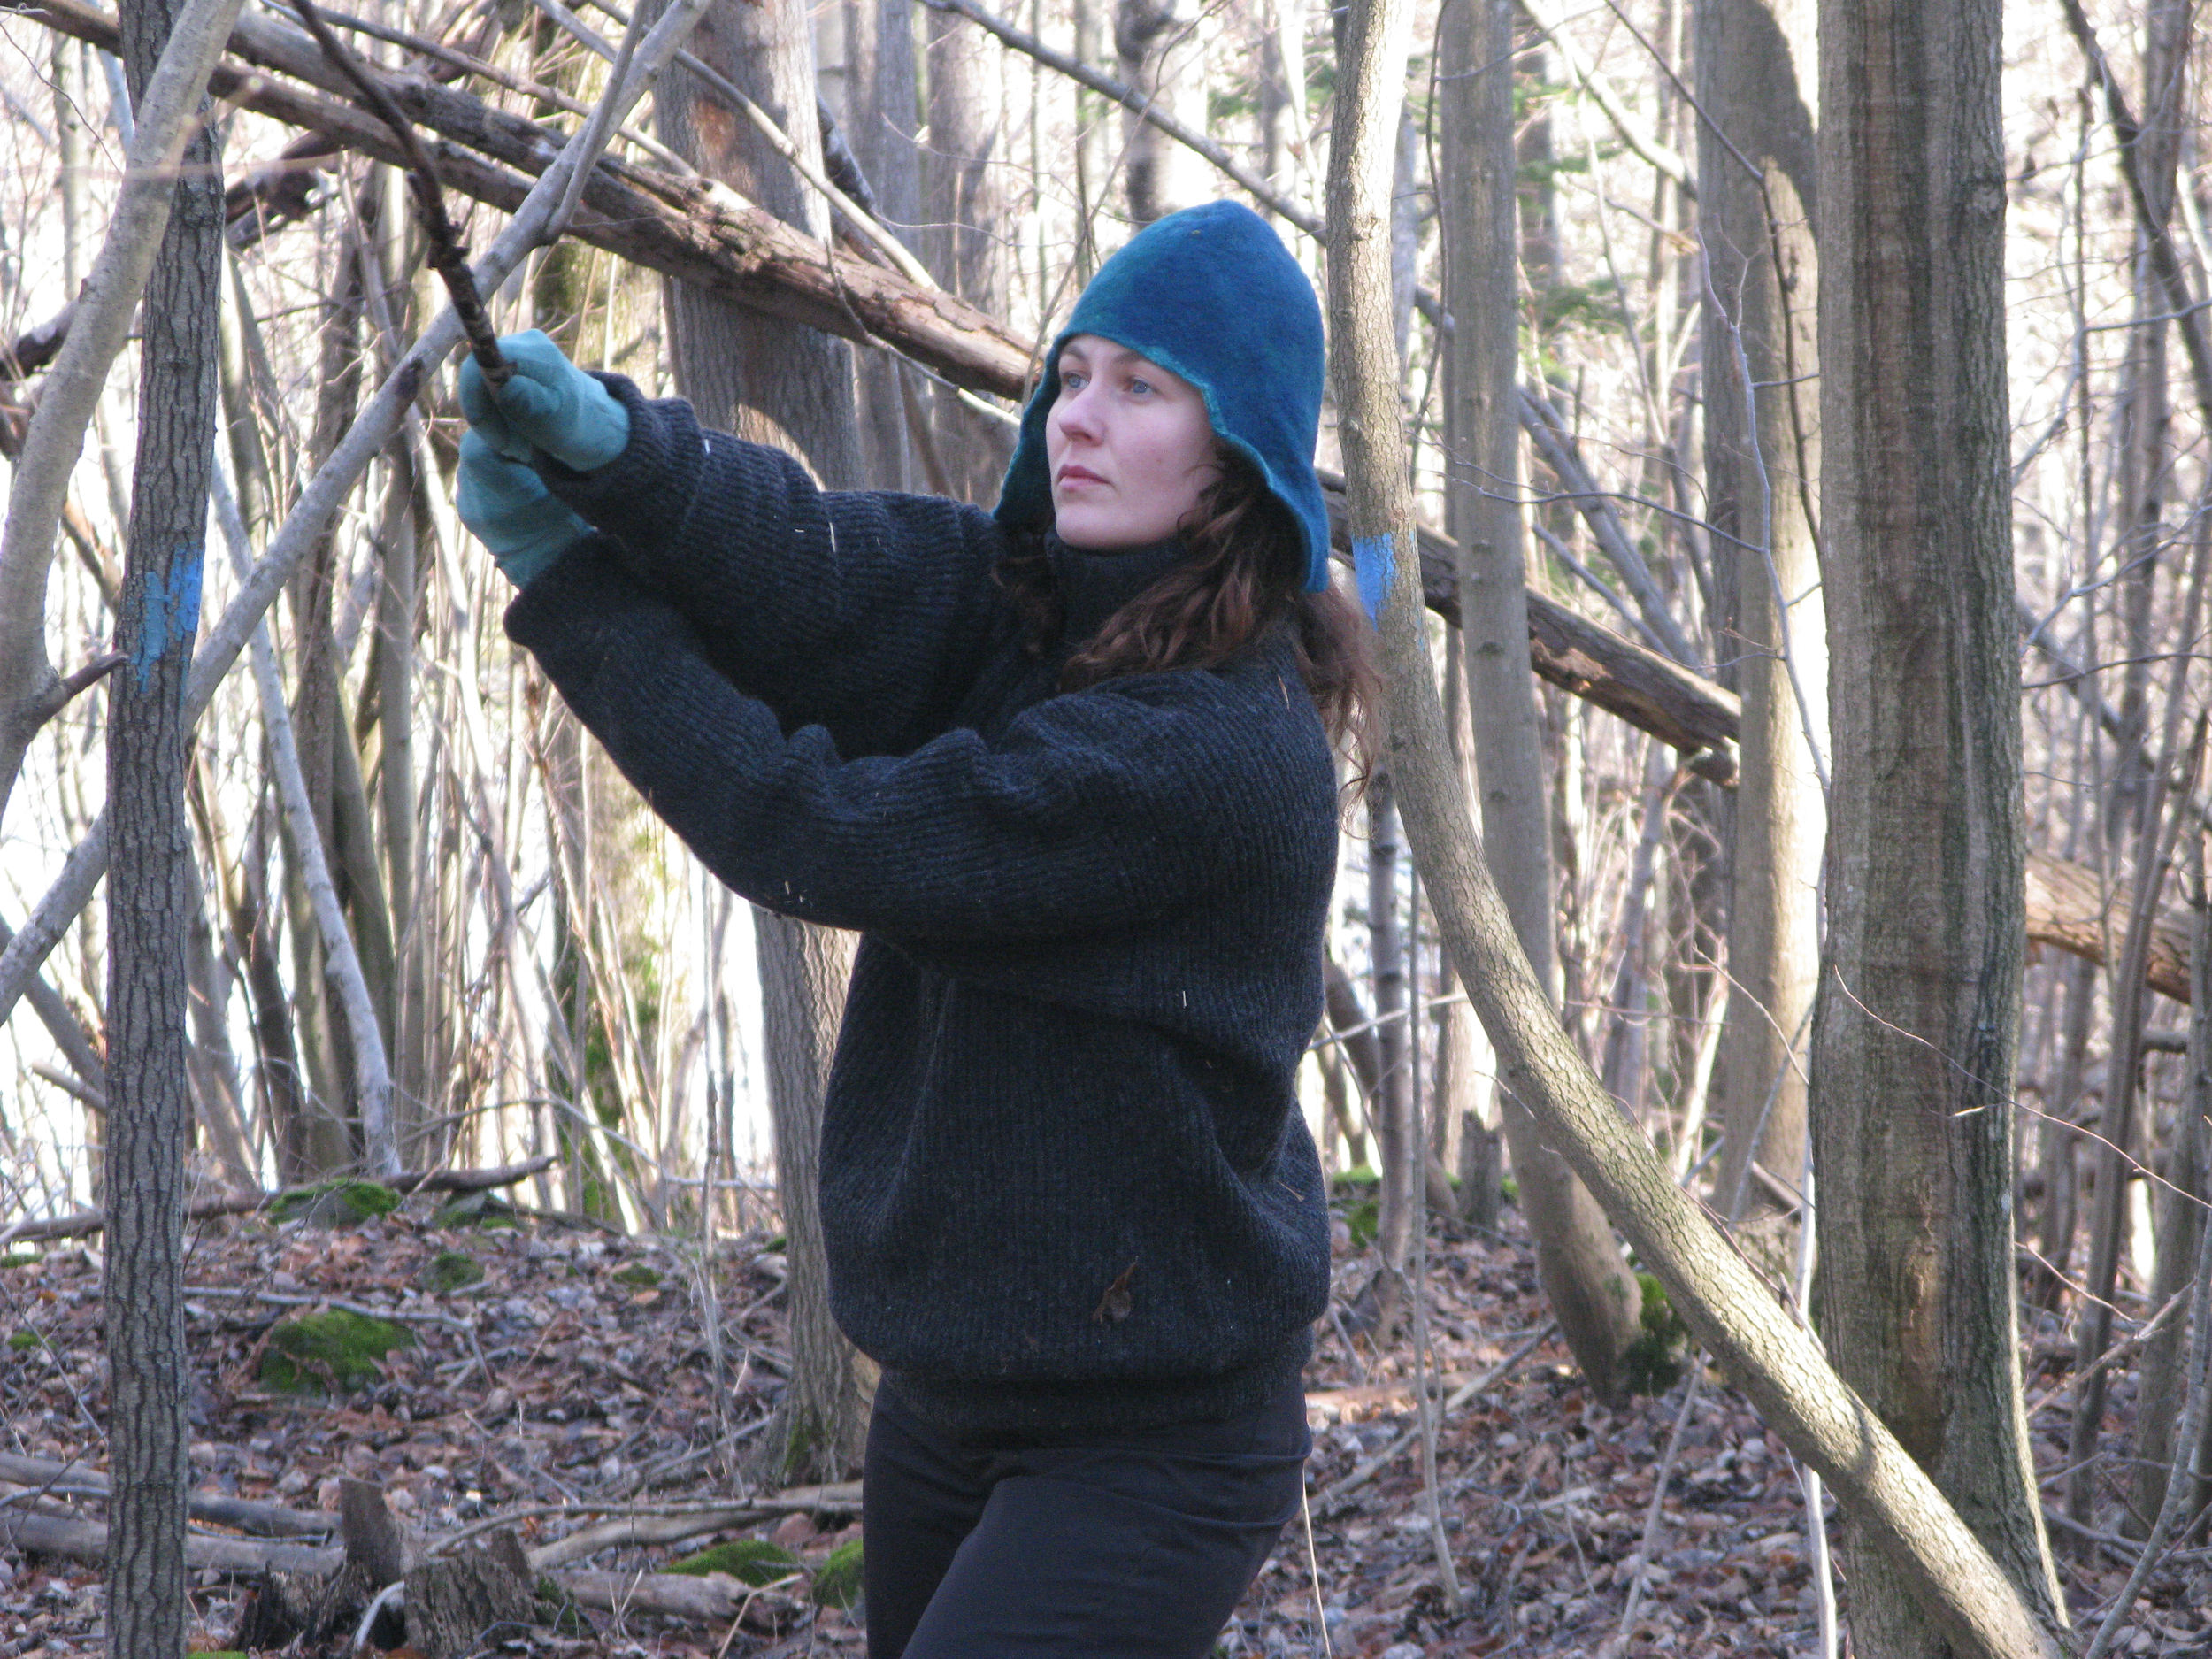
[446,256]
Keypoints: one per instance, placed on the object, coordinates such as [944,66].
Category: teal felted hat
[1210,294]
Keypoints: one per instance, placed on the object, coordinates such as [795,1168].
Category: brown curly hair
[1246,572]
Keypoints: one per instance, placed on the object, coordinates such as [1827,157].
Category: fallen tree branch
[711,1598]
[76,1480]
[83,1223]
[88,1542]
[843,1499]
[1326,1502]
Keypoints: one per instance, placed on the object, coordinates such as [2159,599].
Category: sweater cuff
[644,491]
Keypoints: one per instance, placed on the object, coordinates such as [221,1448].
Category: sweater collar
[1092,585]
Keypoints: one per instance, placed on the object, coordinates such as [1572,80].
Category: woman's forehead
[1098,352]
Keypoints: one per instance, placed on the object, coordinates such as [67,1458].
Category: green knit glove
[550,406]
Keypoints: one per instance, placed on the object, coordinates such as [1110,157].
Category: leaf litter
[561,1377]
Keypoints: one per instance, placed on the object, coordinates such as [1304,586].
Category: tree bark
[2165,1381]
[1758,73]
[1593,1293]
[1163,52]
[1390,1101]
[823,1417]
[153,893]
[772,383]
[1918,1019]
[880,92]
[964,185]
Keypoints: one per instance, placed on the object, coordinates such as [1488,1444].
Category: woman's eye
[1141,387]
[1070,379]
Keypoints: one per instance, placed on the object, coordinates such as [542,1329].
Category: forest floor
[601,1400]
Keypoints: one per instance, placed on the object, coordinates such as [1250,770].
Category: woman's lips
[1074,475]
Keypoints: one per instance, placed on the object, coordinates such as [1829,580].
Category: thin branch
[1138,105]
[2165,260]
[446,256]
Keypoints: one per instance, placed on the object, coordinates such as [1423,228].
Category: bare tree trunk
[153,893]
[1282,58]
[1917,1018]
[823,1416]
[2165,1382]
[770,382]
[880,95]
[965,195]
[1391,1100]
[1464,1062]
[1595,1297]
[1163,57]
[1758,73]
[1093,120]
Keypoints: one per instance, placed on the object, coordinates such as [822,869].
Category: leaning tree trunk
[772,383]
[1758,73]
[153,892]
[1961,1590]
[1918,1013]
[1591,1290]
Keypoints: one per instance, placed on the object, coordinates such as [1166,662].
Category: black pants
[1140,1544]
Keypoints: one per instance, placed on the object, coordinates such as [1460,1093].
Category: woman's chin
[1103,533]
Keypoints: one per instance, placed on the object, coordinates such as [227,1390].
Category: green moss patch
[335,1203]
[18,1258]
[754,1560]
[330,1352]
[22,1340]
[450,1271]
[475,1210]
[837,1581]
[639,1277]
[1654,1361]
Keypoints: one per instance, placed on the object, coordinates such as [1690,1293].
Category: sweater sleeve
[865,612]
[1097,812]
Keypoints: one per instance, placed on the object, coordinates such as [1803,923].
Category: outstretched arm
[1098,812]
[866,613]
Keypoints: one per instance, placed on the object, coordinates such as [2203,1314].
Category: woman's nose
[1075,414]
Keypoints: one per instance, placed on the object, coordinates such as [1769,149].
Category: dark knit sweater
[1065,1186]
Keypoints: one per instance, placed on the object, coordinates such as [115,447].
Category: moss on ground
[335,1203]
[754,1560]
[334,1351]
[837,1581]
[450,1271]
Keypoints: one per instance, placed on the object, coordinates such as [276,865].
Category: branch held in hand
[447,256]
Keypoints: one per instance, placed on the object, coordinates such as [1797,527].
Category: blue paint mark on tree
[168,612]
[1374,564]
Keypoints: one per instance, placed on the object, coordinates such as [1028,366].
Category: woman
[1067,768]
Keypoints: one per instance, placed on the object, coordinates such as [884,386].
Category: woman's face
[1129,447]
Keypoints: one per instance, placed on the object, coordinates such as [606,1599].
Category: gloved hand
[551,405]
[508,506]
